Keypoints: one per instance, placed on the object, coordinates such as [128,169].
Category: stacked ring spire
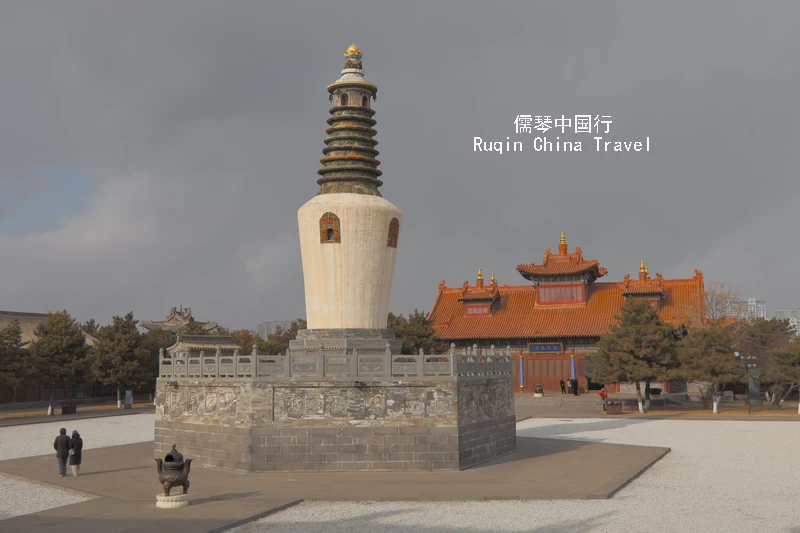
[350,164]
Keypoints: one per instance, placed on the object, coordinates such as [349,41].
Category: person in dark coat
[75,452]
[61,446]
[563,387]
[573,384]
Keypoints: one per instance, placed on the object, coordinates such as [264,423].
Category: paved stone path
[124,479]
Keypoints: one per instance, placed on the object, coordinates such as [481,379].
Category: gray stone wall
[258,425]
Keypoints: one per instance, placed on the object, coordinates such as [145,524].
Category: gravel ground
[721,476]
[21,497]
[37,439]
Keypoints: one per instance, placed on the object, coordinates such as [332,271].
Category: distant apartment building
[265,329]
[783,314]
[792,315]
[751,308]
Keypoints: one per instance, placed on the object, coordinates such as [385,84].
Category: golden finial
[646,270]
[563,239]
[352,50]
[480,273]
[642,268]
[492,278]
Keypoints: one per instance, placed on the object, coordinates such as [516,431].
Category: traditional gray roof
[204,342]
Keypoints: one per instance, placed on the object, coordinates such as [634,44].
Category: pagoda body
[349,232]
[344,397]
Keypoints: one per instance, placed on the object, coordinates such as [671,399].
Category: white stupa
[349,232]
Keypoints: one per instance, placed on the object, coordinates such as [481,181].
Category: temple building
[177,319]
[553,323]
[28,323]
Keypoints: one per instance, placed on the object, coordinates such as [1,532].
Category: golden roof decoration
[352,50]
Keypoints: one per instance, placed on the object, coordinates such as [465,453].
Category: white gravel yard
[721,476]
[37,439]
[21,497]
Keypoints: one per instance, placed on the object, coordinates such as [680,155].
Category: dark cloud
[201,124]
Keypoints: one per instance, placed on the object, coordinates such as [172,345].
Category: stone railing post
[287,364]
[387,364]
[218,357]
[491,350]
[321,362]
[453,360]
[355,362]
[236,362]
[161,364]
[421,363]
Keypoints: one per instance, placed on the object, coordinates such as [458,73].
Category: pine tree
[245,340]
[278,342]
[707,354]
[90,327]
[415,332]
[153,341]
[640,347]
[16,364]
[121,358]
[60,353]
[782,371]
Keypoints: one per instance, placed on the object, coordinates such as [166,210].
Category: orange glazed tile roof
[516,315]
[646,286]
[472,294]
[560,264]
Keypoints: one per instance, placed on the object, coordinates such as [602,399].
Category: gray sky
[155,153]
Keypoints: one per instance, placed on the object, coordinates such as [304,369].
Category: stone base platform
[172,502]
[340,448]
[344,341]
[257,425]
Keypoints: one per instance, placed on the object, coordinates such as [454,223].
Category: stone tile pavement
[124,479]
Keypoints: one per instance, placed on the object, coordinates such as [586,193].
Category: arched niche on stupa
[394,233]
[329,229]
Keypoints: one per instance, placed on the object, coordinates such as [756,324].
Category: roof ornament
[562,245]
[353,55]
[480,273]
[641,266]
[492,278]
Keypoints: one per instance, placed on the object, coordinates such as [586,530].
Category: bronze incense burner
[173,471]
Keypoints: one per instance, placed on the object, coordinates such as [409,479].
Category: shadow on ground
[382,521]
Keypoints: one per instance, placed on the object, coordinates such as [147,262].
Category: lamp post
[747,367]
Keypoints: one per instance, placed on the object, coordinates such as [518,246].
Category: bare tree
[717,300]
[721,300]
